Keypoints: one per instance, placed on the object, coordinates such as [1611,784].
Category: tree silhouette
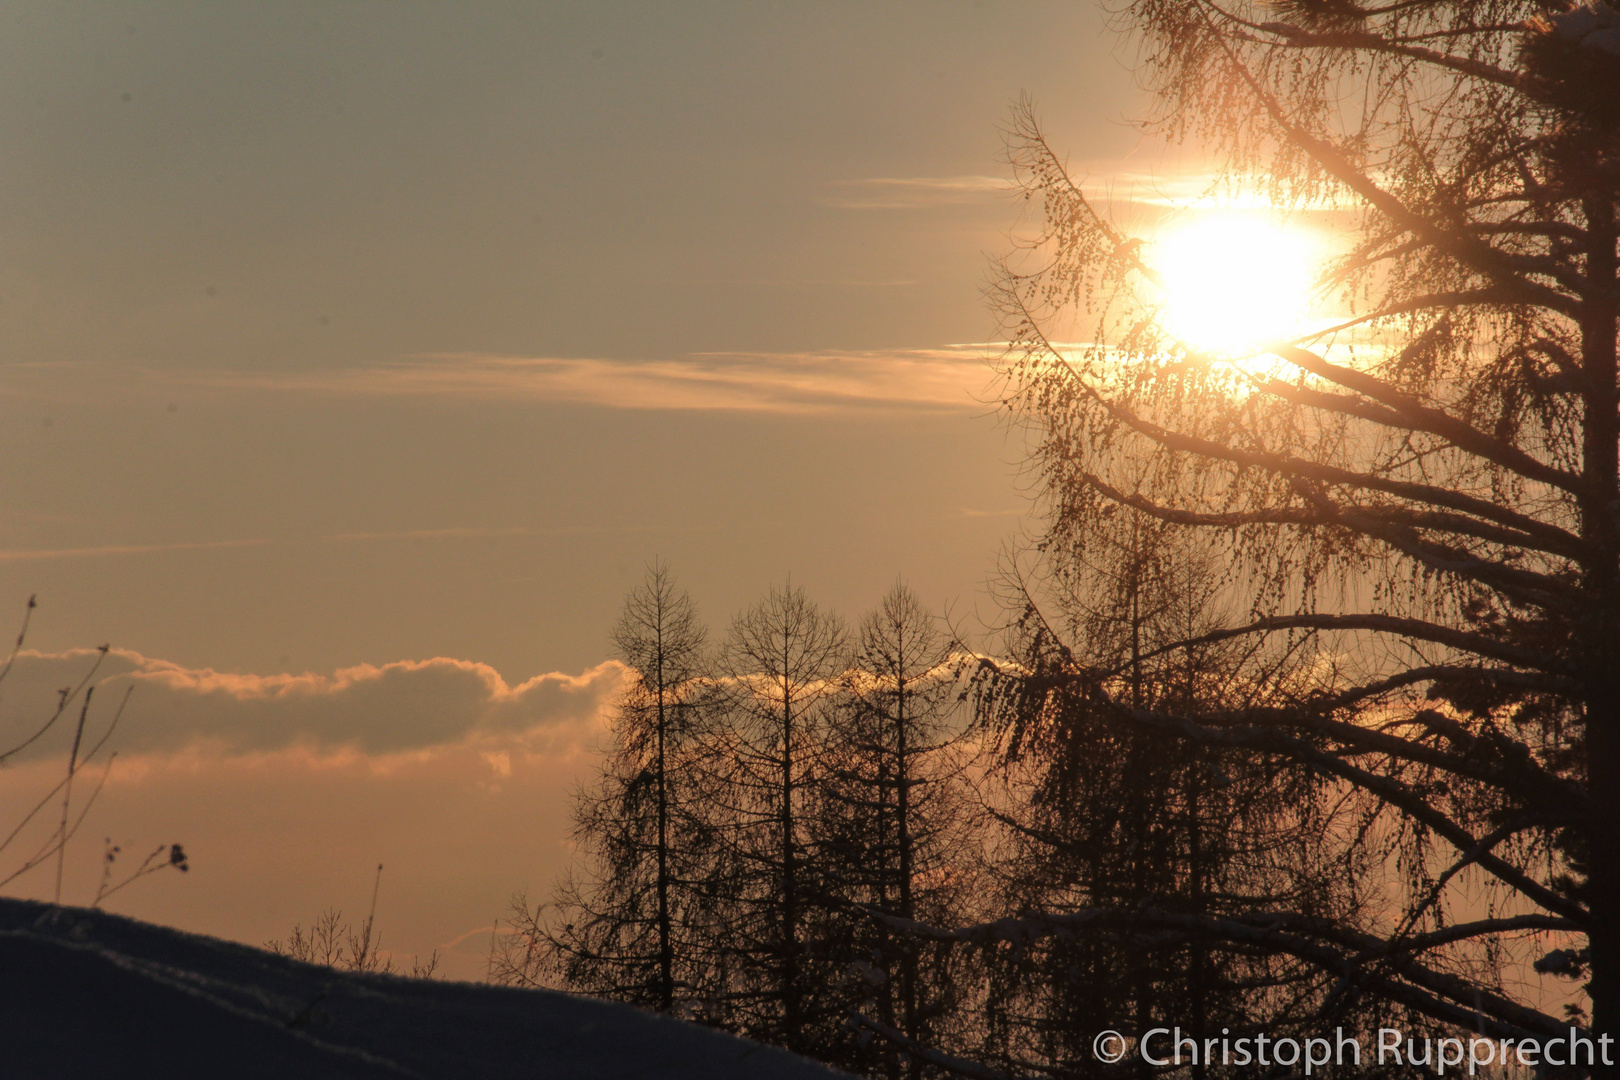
[1419,498]
[767,821]
[895,832]
[638,927]
[1112,824]
[782,662]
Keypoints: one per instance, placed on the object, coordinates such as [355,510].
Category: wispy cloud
[948,377]
[1196,189]
[833,283]
[459,533]
[1168,190]
[28,554]
[1112,186]
[913,192]
[469,532]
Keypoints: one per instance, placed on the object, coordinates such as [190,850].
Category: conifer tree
[1102,814]
[782,662]
[896,834]
[1417,495]
[636,925]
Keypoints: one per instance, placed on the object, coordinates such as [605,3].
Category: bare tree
[783,661]
[1420,497]
[628,928]
[896,831]
[660,637]
[1102,814]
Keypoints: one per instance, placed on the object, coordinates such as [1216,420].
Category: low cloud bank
[402,706]
[288,790]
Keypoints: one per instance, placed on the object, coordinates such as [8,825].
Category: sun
[1233,281]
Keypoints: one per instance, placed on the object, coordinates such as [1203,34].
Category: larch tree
[782,663]
[1419,492]
[636,925]
[1105,818]
[896,832]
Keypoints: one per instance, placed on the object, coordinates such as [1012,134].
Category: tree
[635,929]
[1102,814]
[765,821]
[895,835]
[781,661]
[1420,497]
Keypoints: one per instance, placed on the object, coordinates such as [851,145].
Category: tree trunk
[908,956]
[1601,634]
[791,1019]
[666,950]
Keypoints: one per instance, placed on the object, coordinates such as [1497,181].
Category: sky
[355,359]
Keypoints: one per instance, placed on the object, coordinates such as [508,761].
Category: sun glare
[1232,282]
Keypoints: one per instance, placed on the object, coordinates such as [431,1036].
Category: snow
[85,993]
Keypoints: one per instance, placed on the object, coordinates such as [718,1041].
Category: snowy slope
[88,994]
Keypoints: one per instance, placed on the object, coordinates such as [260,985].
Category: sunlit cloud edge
[942,379]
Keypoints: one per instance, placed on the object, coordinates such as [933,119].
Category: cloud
[915,192]
[403,706]
[457,533]
[945,377]
[1114,188]
[287,790]
[1104,182]
[29,554]
[832,282]
[938,378]
[1120,187]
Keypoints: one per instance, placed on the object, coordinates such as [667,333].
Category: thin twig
[67,790]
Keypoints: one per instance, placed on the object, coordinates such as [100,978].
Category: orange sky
[355,358]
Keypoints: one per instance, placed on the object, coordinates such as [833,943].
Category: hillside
[86,993]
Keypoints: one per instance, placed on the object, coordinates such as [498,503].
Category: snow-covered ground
[89,994]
